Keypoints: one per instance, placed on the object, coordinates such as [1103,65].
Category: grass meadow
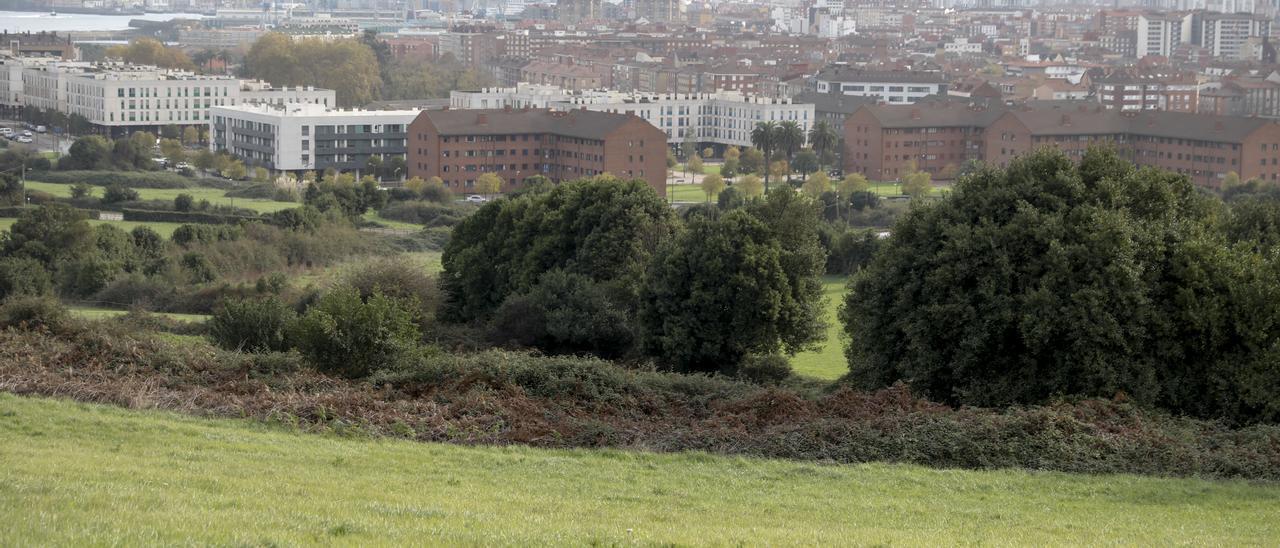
[81,474]
[827,363]
[214,195]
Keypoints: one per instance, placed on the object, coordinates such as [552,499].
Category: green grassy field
[214,195]
[829,362]
[77,474]
[390,223]
[95,313]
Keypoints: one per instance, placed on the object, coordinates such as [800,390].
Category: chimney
[1065,121]
[1218,127]
[915,114]
[482,119]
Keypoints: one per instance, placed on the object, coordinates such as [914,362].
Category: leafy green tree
[117,193]
[567,313]
[605,230]
[348,67]
[751,162]
[1231,180]
[190,136]
[823,138]
[806,162]
[235,170]
[81,191]
[729,169]
[183,202]
[173,150]
[750,186]
[49,234]
[790,138]
[488,184]
[694,165]
[817,185]
[341,334]
[149,51]
[712,185]
[90,152]
[722,290]
[917,184]
[23,276]
[1050,278]
[765,138]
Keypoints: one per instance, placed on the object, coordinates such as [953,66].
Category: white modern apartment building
[1159,34]
[722,118]
[1227,36]
[120,97]
[308,136]
[894,87]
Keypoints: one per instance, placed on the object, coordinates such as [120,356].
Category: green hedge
[195,217]
[17,211]
[131,179]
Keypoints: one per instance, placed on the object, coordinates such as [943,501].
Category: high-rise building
[1226,35]
[1160,34]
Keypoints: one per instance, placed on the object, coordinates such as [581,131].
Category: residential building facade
[460,145]
[309,137]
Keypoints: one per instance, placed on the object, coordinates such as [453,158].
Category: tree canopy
[603,229]
[1050,278]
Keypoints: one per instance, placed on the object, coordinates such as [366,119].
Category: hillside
[88,474]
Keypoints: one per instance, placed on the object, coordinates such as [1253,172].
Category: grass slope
[827,363]
[78,474]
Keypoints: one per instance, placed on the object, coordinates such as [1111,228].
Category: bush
[21,276]
[117,193]
[765,369]
[186,235]
[183,202]
[196,217]
[133,179]
[567,313]
[34,312]
[423,213]
[252,325]
[343,335]
[396,278]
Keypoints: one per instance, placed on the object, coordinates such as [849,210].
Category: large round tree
[1053,278]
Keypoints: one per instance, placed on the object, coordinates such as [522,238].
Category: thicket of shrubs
[506,397]
[152,216]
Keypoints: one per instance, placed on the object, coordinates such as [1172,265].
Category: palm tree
[765,138]
[789,138]
[823,137]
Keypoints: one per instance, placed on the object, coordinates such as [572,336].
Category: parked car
[41,129]
[26,134]
[6,131]
[24,139]
[182,165]
[476,199]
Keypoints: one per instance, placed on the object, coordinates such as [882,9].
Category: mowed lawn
[829,362]
[77,474]
[216,196]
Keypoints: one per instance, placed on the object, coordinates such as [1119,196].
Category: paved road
[42,142]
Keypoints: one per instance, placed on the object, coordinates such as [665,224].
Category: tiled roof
[574,123]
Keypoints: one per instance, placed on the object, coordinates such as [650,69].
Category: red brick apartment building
[459,145]
[881,140]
